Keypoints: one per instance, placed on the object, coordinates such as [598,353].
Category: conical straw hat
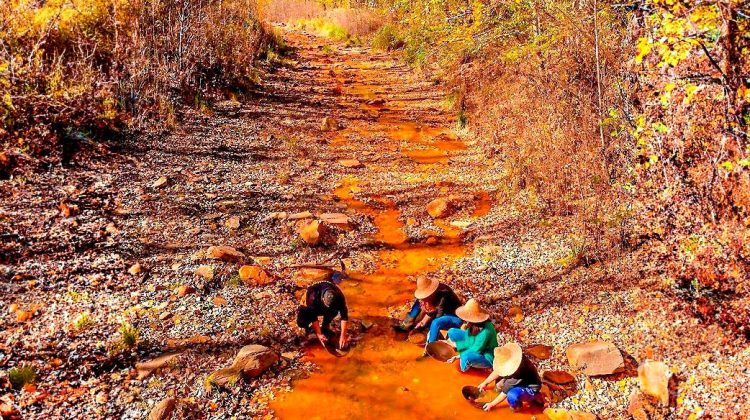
[507,359]
[425,287]
[472,312]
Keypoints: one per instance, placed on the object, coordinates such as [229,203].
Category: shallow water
[380,377]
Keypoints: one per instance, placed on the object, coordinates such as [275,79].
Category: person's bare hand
[323,339]
[481,387]
[487,407]
[452,359]
[343,341]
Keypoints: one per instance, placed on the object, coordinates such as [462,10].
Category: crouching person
[517,378]
[476,340]
[324,299]
[434,308]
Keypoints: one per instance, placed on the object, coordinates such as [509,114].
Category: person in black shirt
[327,300]
[517,378]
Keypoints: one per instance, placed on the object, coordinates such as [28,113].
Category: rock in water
[595,358]
[653,380]
[163,409]
[253,275]
[224,253]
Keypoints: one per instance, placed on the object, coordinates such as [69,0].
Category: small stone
[68,210]
[219,301]
[516,314]
[145,369]
[329,124]
[335,218]
[135,269]
[165,315]
[184,290]
[300,215]
[233,222]
[102,397]
[23,316]
[162,181]
[205,271]
[563,414]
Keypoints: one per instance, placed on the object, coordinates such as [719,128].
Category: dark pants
[307,316]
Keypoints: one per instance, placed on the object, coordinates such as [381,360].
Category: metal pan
[472,394]
[440,350]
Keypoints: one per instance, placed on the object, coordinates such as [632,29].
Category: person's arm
[492,377]
[440,308]
[321,337]
[500,398]
[344,337]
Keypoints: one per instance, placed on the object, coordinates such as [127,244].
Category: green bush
[129,335]
[22,376]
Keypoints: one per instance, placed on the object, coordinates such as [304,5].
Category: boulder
[224,253]
[253,275]
[653,380]
[595,358]
[163,409]
[563,414]
[250,362]
[310,232]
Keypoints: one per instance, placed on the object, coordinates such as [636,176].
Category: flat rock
[147,368]
[559,377]
[595,358]
[205,271]
[334,218]
[350,163]
[539,351]
[224,253]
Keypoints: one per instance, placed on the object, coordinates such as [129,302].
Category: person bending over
[327,300]
[517,378]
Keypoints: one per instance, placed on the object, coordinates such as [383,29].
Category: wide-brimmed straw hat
[507,359]
[472,312]
[426,287]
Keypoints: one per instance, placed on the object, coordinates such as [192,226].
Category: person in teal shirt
[476,340]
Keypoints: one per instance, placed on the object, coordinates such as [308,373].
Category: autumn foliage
[72,69]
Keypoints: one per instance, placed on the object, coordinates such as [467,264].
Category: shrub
[83,321]
[22,376]
[129,335]
[387,38]
[71,70]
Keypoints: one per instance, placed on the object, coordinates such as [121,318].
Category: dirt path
[403,116]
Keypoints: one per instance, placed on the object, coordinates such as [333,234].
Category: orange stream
[380,377]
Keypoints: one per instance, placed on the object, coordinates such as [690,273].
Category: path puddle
[380,377]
